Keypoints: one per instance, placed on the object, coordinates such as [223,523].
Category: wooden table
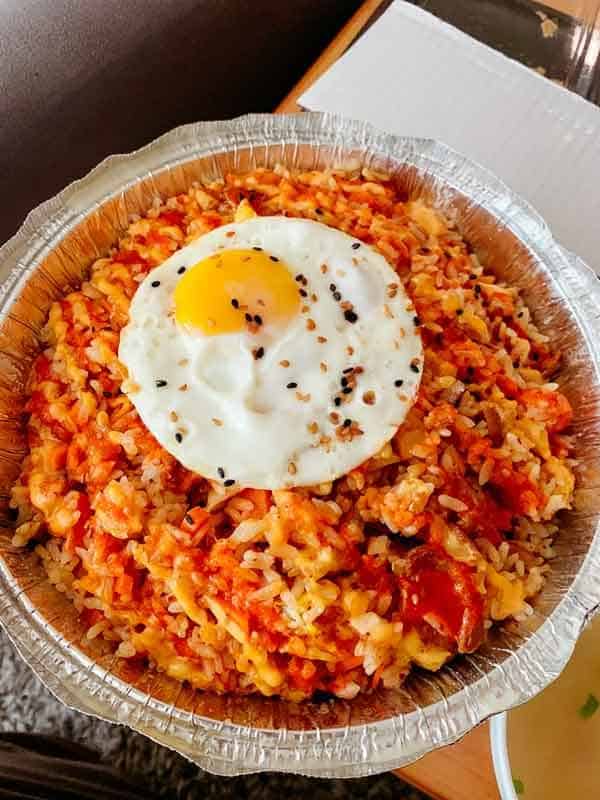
[462,771]
[332,52]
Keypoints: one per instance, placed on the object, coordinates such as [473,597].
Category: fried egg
[272,353]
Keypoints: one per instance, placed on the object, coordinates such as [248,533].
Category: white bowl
[501,761]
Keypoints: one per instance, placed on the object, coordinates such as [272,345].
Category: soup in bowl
[548,748]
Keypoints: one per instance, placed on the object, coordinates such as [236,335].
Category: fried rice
[338,588]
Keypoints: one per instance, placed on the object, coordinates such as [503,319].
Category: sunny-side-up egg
[271,353]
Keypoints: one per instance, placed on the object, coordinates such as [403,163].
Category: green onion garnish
[519,785]
[589,708]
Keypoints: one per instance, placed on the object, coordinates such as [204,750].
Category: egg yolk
[234,288]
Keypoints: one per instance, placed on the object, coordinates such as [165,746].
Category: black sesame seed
[337,296]
[356,245]
[235,303]
[414,367]
[417,321]
[337,401]
[258,249]
[155,284]
[535,356]
[221,472]
[291,385]
[273,258]
[347,423]
[346,390]
[259,353]
[160,384]
[350,316]
[229,482]
[181,270]
[344,381]
[319,211]
[459,312]
[178,437]
[258,319]
[189,519]
[520,314]
[472,276]
[398,382]
[298,278]
[303,293]
[477,289]
[248,317]
[304,281]
[107,394]
[332,287]
[347,370]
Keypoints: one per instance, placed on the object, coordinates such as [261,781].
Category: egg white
[236,420]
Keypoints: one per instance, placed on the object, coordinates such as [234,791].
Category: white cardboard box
[416,76]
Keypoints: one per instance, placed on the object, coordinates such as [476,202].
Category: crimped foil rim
[353,751]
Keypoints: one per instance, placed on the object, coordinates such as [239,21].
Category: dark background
[82,79]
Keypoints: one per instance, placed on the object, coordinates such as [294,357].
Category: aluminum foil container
[375,732]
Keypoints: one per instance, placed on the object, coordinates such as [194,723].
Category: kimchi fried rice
[341,587]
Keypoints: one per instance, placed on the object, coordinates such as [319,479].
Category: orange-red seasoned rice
[338,588]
